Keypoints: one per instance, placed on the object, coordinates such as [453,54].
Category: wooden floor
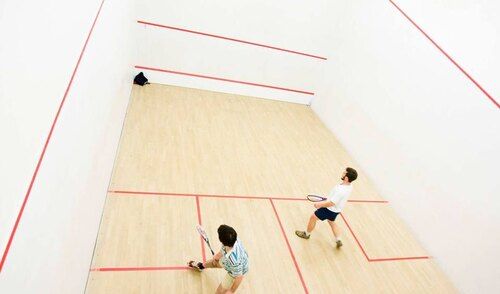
[189,156]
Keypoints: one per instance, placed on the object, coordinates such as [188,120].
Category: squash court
[129,128]
[189,157]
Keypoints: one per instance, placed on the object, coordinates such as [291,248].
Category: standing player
[232,257]
[330,208]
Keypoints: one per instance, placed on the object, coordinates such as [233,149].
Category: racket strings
[315,198]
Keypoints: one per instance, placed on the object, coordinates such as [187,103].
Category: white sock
[337,239]
[307,233]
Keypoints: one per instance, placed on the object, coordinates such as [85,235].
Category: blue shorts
[325,213]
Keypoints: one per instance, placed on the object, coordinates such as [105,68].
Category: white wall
[426,135]
[40,45]
[293,25]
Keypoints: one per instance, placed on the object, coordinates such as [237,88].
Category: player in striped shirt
[232,257]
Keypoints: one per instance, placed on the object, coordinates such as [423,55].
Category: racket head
[202,232]
[204,235]
[315,198]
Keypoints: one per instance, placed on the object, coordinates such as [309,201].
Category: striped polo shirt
[235,261]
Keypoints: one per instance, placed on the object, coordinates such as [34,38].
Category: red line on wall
[40,159]
[447,55]
[289,247]
[222,79]
[198,211]
[230,196]
[230,39]
[141,268]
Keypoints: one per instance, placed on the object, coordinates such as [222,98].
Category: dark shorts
[325,213]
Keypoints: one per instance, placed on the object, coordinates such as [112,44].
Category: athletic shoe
[339,244]
[302,234]
[196,265]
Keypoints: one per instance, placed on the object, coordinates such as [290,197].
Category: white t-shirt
[338,196]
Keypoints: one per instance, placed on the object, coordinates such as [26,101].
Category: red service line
[142,268]
[367,201]
[355,238]
[198,211]
[289,247]
[230,196]
[398,258]
[377,259]
[222,79]
[197,195]
[229,39]
[447,55]
[42,155]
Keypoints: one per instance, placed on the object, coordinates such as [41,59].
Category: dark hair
[351,174]
[227,235]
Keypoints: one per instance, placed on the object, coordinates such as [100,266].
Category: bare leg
[310,227]
[336,233]
[335,229]
[220,289]
[312,223]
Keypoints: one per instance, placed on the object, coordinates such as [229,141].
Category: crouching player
[232,257]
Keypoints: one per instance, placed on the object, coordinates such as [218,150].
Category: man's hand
[324,204]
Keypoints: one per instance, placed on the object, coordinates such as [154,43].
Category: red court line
[368,201]
[289,247]
[447,55]
[142,268]
[398,258]
[229,196]
[355,238]
[198,210]
[378,259]
[222,79]
[189,195]
[40,159]
[230,39]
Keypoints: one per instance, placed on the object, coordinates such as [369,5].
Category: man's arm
[324,204]
[214,262]
[236,284]
[217,256]
[329,202]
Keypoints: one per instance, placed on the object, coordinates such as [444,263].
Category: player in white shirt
[330,208]
[232,257]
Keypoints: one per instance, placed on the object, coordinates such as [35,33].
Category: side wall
[41,44]
[426,135]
